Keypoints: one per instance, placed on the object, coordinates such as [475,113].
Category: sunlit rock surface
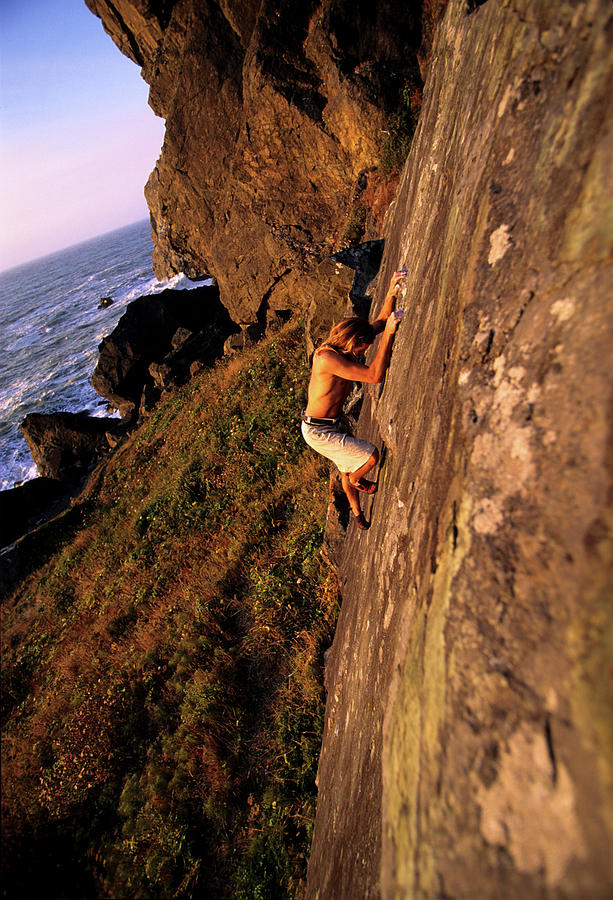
[467,750]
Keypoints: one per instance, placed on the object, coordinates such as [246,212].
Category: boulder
[149,398]
[197,368]
[117,434]
[234,343]
[249,335]
[64,445]
[175,368]
[180,336]
[161,374]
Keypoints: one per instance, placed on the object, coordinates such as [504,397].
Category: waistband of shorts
[314,420]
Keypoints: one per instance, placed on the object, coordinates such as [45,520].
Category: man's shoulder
[326,353]
[328,362]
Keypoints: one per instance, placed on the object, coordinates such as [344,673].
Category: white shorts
[347,452]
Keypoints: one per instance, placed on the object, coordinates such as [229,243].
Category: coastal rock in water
[255,180]
[467,748]
[26,505]
[64,445]
[194,321]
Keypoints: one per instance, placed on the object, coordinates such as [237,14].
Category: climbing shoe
[361,521]
[366,487]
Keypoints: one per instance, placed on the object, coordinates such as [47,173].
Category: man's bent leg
[370,463]
[349,480]
[352,494]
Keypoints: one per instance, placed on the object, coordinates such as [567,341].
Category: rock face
[468,743]
[274,113]
[62,444]
[154,344]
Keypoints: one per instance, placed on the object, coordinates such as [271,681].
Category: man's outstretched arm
[388,303]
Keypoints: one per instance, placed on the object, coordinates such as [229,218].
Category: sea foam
[51,325]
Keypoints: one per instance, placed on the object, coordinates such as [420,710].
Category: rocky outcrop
[158,344]
[154,344]
[275,113]
[64,445]
[25,506]
[467,748]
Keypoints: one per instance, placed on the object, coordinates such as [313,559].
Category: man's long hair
[349,334]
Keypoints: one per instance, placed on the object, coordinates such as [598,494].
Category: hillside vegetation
[162,699]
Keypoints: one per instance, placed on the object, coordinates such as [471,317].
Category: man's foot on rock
[366,487]
[361,521]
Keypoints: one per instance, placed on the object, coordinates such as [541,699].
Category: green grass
[162,696]
[398,135]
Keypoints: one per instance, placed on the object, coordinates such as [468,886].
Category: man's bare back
[327,391]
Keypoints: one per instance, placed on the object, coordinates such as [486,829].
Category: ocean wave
[178,282]
[83,284]
[103,412]
[21,472]
[141,290]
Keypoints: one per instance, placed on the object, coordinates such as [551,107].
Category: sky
[77,136]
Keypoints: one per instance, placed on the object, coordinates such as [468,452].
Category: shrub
[398,135]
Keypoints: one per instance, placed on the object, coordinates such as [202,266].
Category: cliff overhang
[275,114]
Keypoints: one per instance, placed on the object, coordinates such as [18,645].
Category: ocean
[50,328]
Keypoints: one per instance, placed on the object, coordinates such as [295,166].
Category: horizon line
[93,237]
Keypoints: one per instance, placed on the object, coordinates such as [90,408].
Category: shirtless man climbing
[335,368]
